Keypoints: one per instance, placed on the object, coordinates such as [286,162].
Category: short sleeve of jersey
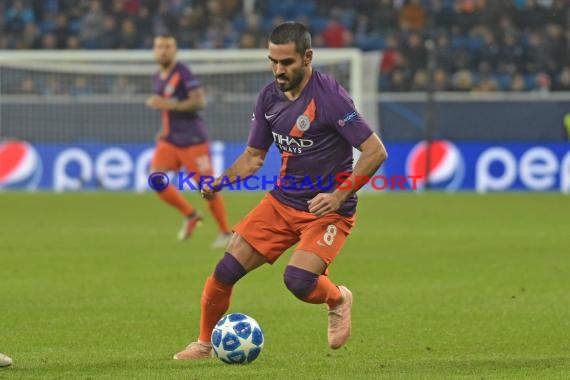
[260,136]
[191,82]
[341,113]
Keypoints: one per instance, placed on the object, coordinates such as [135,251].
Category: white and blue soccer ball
[237,339]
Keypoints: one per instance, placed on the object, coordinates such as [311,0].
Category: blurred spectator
[255,31]
[73,43]
[531,16]
[143,20]
[543,83]
[92,25]
[511,56]
[383,18]
[128,36]
[414,52]
[554,47]
[117,11]
[412,16]
[420,81]
[390,55]
[463,80]
[30,37]
[61,30]
[486,84]
[122,86]
[49,42]
[52,87]
[18,15]
[563,82]
[443,15]
[81,86]
[28,87]
[445,54]
[247,41]
[441,80]
[517,83]
[336,35]
[535,54]
[483,45]
[398,82]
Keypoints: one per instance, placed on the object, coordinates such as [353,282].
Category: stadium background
[428,70]
[448,286]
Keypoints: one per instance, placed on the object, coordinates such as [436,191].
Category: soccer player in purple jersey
[183,140]
[312,120]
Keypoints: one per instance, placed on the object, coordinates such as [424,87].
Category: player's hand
[154,102]
[209,190]
[324,203]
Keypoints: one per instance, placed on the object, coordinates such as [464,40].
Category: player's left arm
[195,102]
[373,155]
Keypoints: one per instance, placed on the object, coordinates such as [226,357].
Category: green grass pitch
[464,286]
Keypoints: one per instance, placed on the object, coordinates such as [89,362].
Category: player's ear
[308,58]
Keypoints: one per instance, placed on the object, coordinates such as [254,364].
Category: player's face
[289,67]
[164,51]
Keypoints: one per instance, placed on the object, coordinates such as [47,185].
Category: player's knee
[299,281]
[158,179]
[229,270]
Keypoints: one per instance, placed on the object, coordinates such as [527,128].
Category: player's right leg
[240,259]
[165,159]
[197,159]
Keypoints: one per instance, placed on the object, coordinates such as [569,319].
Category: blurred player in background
[314,124]
[183,140]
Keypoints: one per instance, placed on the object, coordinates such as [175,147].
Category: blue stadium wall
[461,166]
[483,146]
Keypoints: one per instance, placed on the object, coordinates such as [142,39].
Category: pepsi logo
[20,165]
[446,166]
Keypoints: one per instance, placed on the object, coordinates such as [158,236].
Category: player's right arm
[248,163]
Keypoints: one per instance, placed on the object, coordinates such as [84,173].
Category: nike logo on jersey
[270,116]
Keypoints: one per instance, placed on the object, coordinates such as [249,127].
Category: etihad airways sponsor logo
[291,144]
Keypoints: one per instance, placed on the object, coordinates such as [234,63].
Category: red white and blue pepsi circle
[446,167]
[20,166]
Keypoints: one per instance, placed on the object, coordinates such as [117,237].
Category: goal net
[69,98]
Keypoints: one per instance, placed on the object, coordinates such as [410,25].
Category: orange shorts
[195,158]
[272,227]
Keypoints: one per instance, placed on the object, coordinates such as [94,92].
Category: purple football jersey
[180,128]
[314,133]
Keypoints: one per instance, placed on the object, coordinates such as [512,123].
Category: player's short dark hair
[291,31]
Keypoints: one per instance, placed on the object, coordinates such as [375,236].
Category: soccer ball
[237,339]
[5,360]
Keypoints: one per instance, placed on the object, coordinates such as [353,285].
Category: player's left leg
[305,276]
[164,160]
[197,159]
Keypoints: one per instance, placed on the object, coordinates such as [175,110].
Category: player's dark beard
[295,80]
[165,63]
